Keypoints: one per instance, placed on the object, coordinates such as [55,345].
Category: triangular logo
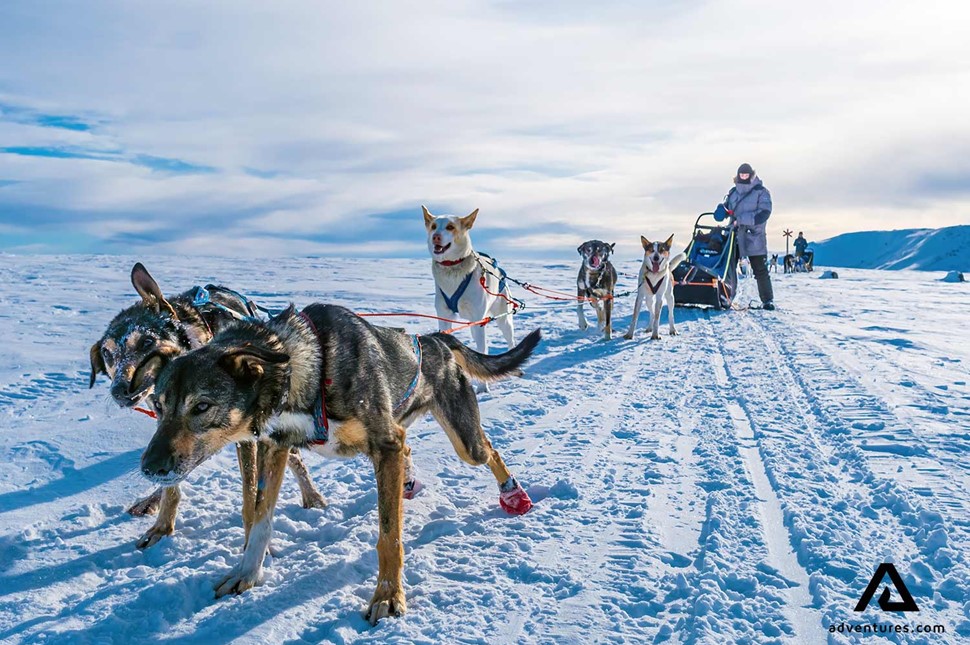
[906,604]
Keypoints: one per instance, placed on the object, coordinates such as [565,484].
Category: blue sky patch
[26,116]
[175,166]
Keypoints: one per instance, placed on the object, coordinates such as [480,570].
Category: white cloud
[611,118]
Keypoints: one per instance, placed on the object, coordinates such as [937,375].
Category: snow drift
[954,276]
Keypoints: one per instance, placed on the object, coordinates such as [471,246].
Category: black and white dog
[595,285]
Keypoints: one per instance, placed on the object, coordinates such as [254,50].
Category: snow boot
[513,498]
[411,488]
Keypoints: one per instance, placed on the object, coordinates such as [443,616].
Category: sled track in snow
[603,542]
[932,469]
[805,619]
[732,590]
[830,495]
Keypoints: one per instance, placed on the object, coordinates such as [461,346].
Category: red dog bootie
[513,498]
[411,488]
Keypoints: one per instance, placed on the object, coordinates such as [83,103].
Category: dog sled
[709,275]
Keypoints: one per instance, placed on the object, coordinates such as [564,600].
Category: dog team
[324,379]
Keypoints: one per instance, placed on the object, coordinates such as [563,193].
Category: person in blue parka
[749,202]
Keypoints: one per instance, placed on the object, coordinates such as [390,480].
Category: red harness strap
[451,263]
[150,413]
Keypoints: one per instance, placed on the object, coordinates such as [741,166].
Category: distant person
[749,202]
[800,245]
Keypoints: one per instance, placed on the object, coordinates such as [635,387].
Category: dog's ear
[286,314]
[580,248]
[468,220]
[612,247]
[669,242]
[97,363]
[428,217]
[248,362]
[645,242]
[148,289]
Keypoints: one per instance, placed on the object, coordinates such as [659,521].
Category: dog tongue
[595,261]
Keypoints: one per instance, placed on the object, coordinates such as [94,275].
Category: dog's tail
[676,260]
[485,367]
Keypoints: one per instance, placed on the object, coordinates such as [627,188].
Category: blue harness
[452,300]
[409,392]
[202,298]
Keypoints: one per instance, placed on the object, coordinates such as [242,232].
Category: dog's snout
[157,461]
[436,238]
[155,471]
[121,392]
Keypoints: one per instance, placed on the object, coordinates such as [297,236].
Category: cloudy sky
[319,128]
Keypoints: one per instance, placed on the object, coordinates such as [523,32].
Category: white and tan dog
[656,285]
[457,271]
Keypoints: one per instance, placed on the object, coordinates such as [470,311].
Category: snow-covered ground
[737,483]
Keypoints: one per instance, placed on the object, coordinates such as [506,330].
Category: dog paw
[146,506]
[153,535]
[387,601]
[673,332]
[238,580]
[482,388]
[412,488]
[628,336]
[655,336]
[583,326]
[313,499]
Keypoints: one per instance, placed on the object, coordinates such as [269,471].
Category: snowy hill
[928,249]
[737,483]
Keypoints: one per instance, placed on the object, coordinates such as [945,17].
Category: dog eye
[200,407]
[434,227]
[450,227]
[107,357]
[157,405]
[146,342]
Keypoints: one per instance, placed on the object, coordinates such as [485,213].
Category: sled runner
[709,275]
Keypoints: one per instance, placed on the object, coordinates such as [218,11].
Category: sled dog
[141,340]
[327,380]
[656,285]
[458,271]
[595,284]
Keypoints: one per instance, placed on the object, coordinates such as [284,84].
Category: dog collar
[451,263]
